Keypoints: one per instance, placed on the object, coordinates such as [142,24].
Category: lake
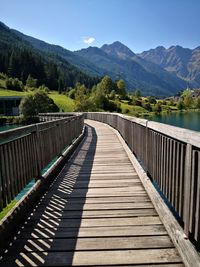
[9,127]
[188,120]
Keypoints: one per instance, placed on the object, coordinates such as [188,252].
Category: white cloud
[88,40]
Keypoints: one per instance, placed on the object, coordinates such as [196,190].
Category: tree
[171,102]
[147,106]
[71,93]
[31,82]
[101,101]
[152,100]
[99,97]
[43,88]
[82,100]
[121,88]
[198,102]
[106,84]
[112,95]
[36,103]
[188,101]
[158,108]
[137,93]
[135,101]
[14,84]
[60,86]
[11,65]
[180,104]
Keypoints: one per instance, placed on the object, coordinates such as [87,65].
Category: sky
[76,24]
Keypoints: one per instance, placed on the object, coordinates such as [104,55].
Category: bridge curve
[96,212]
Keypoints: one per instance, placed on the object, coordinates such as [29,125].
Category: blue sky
[74,24]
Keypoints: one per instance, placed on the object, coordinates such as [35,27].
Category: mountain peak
[160,48]
[118,49]
[176,48]
[4,27]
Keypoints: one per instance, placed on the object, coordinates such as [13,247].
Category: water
[9,127]
[188,120]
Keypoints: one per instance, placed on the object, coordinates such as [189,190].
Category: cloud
[88,40]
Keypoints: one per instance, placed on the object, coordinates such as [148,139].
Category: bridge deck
[95,213]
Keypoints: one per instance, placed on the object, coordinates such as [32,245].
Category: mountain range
[158,72]
[18,58]
[183,62]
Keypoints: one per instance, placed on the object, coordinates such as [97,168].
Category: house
[9,105]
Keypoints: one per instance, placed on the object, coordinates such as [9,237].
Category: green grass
[64,103]
[7,209]
[132,110]
[5,92]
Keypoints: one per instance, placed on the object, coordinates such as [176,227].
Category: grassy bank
[64,103]
[7,209]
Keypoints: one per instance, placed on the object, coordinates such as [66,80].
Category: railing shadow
[54,225]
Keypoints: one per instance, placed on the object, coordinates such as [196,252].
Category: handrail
[181,134]
[171,157]
[25,151]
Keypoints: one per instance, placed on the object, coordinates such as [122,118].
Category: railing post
[38,152]
[187,188]
[146,147]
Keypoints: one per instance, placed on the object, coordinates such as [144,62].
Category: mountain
[165,81]
[18,58]
[118,61]
[118,49]
[115,60]
[183,62]
[61,52]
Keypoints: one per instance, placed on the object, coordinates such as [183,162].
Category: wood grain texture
[96,213]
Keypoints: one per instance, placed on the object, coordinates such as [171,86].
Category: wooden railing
[171,157]
[25,151]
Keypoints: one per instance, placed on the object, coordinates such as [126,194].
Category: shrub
[3,76]
[151,100]
[136,102]
[72,93]
[180,104]
[147,106]
[44,88]
[126,110]
[158,108]
[14,84]
[36,103]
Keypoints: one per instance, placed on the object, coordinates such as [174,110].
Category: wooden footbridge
[95,205]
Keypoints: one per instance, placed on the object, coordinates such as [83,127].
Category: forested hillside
[19,59]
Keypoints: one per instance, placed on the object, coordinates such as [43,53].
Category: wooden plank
[99,206]
[116,199]
[177,177]
[197,213]
[181,183]
[108,243]
[106,176]
[100,222]
[188,253]
[100,184]
[187,188]
[99,258]
[96,213]
[41,232]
